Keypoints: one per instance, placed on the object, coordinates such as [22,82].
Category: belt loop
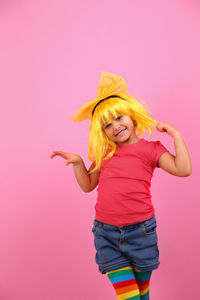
[100,224]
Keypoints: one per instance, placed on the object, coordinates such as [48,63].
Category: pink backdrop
[52,53]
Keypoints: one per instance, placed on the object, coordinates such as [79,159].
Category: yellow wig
[101,111]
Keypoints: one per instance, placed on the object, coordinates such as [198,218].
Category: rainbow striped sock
[124,283]
[143,281]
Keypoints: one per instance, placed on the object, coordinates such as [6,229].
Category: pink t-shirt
[124,184]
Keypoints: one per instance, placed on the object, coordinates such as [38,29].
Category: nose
[115,125]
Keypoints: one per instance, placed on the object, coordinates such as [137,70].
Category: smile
[120,133]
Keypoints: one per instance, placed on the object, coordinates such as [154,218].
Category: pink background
[51,55]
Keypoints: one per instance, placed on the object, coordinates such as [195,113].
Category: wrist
[78,161]
[176,134]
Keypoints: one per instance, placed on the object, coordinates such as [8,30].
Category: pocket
[94,229]
[149,226]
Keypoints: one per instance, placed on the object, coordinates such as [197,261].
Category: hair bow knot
[109,84]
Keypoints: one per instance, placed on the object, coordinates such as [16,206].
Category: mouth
[121,132]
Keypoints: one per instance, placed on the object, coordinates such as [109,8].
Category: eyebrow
[105,124]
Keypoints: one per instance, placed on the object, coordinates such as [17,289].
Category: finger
[63,154]
[57,153]
[54,154]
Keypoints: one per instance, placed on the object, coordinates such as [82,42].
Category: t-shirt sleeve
[159,149]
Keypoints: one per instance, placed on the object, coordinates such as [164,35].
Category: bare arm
[180,164]
[86,181]
[182,159]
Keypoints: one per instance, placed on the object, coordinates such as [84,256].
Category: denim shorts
[120,246]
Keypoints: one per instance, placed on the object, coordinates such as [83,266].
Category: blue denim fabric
[120,246]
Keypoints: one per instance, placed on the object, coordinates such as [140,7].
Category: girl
[122,166]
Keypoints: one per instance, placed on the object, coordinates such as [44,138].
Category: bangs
[111,109]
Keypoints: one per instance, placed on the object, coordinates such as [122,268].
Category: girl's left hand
[166,127]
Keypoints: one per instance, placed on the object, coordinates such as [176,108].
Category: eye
[119,117]
[108,125]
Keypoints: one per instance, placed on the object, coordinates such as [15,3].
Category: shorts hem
[147,268]
[114,267]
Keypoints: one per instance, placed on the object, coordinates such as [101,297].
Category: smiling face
[121,130]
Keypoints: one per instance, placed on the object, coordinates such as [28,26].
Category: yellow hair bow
[109,84]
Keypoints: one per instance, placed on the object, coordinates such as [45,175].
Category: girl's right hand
[70,157]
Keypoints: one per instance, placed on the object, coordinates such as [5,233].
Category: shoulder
[156,145]
[155,150]
[149,144]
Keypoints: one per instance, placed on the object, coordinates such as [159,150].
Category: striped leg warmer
[124,283]
[143,281]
